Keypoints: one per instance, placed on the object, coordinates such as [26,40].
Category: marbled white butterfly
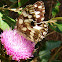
[30,23]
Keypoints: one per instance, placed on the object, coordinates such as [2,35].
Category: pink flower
[16,45]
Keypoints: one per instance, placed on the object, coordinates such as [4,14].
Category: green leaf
[7,22]
[57,27]
[3,25]
[13,1]
[1,15]
[55,10]
[60,27]
[22,2]
[57,18]
[10,19]
[11,22]
[52,44]
[44,60]
[44,54]
[58,3]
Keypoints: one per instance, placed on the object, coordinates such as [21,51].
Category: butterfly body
[31,23]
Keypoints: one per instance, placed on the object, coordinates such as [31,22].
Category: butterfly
[30,22]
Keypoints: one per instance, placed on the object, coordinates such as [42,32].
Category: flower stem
[52,58]
[19,3]
[15,9]
[57,18]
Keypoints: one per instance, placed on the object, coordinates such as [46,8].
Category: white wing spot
[40,7]
[32,33]
[31,38]
[42,18]
[37,27]
[37,16]
[29,28]
[43,11]
[37,12]
[44,33]
[16,19]
[35,5]
[30,20]
[24,29]
[45,25]
[46,29]
[29,16]
[42,36]
[26,20]
[20,21]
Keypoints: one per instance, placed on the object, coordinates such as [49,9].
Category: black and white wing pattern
[30,22]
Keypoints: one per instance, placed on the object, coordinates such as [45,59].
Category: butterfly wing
[31,23]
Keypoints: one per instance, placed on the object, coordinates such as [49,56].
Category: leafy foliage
[56,26]
[52,44]
[22,2]
[13,1]
[55,10]
[6,22]
[3,25]
[45,54]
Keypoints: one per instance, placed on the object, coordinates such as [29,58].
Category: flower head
[16,45]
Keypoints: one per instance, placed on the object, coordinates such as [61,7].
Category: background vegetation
[50,48]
